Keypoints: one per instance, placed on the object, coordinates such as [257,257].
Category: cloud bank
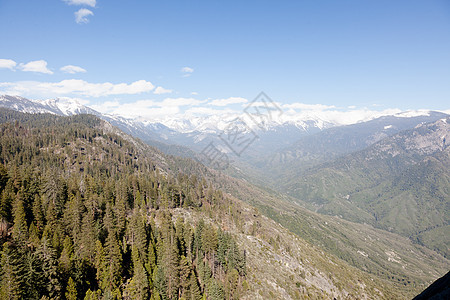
[74,87]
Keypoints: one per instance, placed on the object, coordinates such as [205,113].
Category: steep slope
[400,184]
[439,290]
[81,195]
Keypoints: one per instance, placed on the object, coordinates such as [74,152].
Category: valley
[302,233]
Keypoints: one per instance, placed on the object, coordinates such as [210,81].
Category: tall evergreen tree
[137,287]
[71,293]
[111,266]
[12,273]
[47,257]
[20,227]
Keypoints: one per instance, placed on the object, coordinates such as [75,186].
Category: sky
[154,58]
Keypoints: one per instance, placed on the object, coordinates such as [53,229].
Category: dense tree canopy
[86,214]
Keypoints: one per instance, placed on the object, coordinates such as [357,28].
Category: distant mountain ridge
[334,142]
[196,133]
[62,107]
[400,184]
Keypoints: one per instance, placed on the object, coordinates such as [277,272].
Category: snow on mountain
[413,113]
[66,106]
[226,122]
[195,130]
[23,105]
[58,106]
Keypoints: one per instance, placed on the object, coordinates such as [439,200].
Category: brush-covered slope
[401,183]
[87,211]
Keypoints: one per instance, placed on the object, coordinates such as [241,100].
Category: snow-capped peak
[66,106]
[413,113]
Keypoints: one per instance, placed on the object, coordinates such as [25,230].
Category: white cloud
[82,14]
[79,100]
[148,113]
[72,69]
[207,111]
[303,106]
[339,117]
[181,102]
[7,64]
[160,90]
[148,109]
[106,107]
[91,3]
[194,93]
[136,87]
[75,87]
[228,101]
[39,66]
[187,71]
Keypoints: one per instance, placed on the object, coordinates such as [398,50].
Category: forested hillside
[87,212]
[83,214]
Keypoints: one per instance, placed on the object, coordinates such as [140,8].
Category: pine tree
[38,215]
[85,245]
[194,288]
[137,287]
[209,239]
[171,261]
[66,258]
[3,177]
[179,229]
[49,264]
[71,293]
[73,215]
[20,227]
[215,290]
[138,235]
[151,263]
[159,281]
[7,196]
[184,271]
[111,266]
[222,248]
[33,276]
[12,273]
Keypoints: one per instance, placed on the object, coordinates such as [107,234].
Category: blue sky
[385,54]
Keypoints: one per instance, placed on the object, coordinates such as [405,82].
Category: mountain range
[276,138]
[372,196]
